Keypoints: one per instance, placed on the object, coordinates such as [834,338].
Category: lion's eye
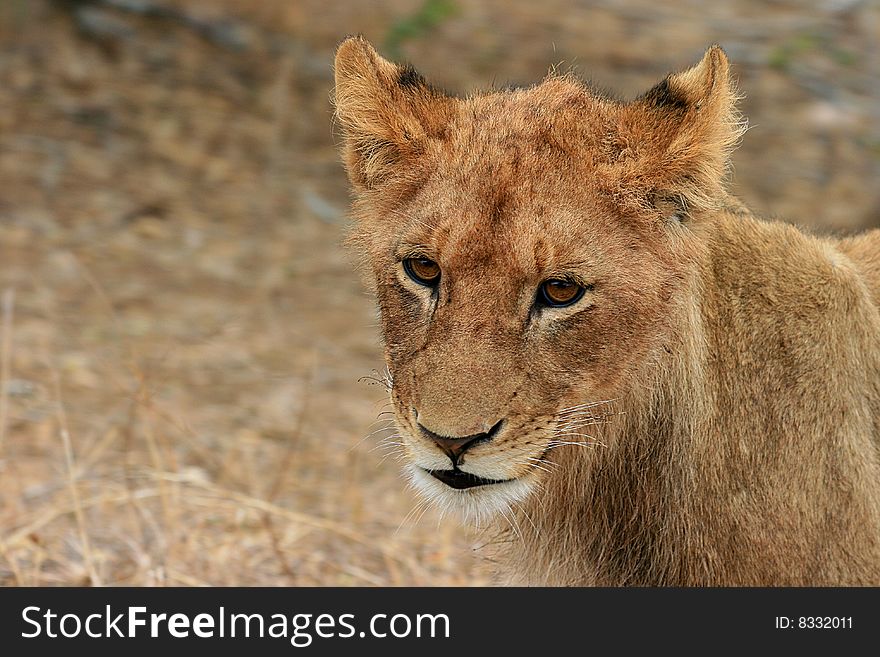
[422,270]
[559,293]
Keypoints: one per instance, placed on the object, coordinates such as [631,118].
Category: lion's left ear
[682,131]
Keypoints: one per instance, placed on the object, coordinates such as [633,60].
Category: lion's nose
[455,446]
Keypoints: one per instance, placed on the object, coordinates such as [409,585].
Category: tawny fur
[730,366]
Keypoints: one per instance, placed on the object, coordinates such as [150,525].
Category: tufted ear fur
[386,112]
[680,135]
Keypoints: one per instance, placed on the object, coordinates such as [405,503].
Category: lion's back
[864,251]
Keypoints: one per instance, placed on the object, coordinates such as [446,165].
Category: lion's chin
[474,505]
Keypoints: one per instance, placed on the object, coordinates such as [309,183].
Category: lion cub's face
[525,248]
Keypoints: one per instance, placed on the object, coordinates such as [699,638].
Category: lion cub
[593,345]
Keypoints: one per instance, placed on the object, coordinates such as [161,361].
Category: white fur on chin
[477,505]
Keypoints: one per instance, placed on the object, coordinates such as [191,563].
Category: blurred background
[182,338]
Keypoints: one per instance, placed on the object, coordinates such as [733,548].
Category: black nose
[454,447]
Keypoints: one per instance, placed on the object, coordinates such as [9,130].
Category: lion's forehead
[555,123]
[500,189]
[485,223]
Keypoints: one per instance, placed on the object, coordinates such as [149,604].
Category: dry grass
[182,336]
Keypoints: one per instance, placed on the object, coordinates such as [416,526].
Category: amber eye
[422,270]
[559,293]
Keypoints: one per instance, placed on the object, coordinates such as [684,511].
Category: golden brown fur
[708,413]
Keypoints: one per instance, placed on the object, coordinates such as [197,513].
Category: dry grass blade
[8,303]
[53,513]
[284,467]
[71,481]
[13,565]
[317,522]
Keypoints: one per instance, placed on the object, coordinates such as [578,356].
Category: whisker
[508,514]
[441,515]
[382,403]
[575,434]
[562,443]
[587,413]
[420,505]
[578,425]
[541,464]
[587,405]
[380,430]
[390,427]
[582,416]
[522,510]
[388,447]
[558,434]
[398,454]
[425,507]
[378,378]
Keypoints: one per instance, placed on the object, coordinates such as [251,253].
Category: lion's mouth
[458,479]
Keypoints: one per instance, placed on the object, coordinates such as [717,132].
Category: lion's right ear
[386,112]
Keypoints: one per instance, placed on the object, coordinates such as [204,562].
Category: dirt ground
[183,337]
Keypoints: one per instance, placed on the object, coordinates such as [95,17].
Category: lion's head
[528,249]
